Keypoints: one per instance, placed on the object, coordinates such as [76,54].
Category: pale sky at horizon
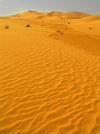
[10,7]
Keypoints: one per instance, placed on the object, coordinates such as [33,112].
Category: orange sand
[50,73]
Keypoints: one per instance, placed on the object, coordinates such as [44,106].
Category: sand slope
[48,86]
[92,18]
[35,14]
[27,14]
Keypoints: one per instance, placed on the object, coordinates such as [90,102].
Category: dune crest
[76,15]
[28,13]
[71,15]
[92,18]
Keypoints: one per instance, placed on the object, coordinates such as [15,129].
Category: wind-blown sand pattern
[49,85]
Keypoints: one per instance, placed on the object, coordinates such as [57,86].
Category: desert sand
[50,73]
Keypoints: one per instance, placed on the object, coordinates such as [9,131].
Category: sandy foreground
[50,73]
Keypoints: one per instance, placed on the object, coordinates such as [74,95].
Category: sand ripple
[48,87]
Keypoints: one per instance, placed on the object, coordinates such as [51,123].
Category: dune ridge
[48,85]
[92,18]
[71,15]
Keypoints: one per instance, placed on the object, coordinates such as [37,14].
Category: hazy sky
[10,7]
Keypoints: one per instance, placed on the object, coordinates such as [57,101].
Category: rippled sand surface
[47,86]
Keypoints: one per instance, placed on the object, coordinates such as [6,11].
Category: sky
[10,7]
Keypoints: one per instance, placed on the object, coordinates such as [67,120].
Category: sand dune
[71,15]
[92,18]
[28,13]
[49,81]
[76,15]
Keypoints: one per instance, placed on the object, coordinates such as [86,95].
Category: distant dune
[77,15]
[92,18]
[72,15]
[50,73]
[28,13]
